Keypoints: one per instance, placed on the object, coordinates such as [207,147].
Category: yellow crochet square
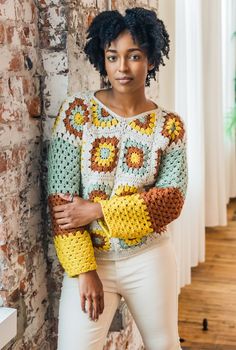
[127,216]
[75,252]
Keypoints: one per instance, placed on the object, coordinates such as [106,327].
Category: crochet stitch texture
[135,167]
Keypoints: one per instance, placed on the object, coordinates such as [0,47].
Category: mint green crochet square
[173,170]
[63,167]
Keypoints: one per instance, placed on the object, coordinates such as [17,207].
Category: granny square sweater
[135,167]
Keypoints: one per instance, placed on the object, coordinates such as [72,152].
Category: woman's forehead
[124,40]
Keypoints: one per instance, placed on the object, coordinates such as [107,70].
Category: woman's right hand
[91,294]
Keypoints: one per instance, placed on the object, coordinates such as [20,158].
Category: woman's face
[126,64]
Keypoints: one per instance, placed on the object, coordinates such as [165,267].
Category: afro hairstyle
[145,28]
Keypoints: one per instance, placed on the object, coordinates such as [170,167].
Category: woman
[117,177]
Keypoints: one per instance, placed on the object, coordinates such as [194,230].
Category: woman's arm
[74,247]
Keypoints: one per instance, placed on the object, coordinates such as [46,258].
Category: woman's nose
[123,65]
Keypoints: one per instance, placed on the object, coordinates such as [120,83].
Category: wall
[22,262]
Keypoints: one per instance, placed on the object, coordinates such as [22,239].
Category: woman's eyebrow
[129,50]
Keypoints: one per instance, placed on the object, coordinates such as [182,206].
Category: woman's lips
[124,80]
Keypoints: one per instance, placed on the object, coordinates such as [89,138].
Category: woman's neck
[126,104]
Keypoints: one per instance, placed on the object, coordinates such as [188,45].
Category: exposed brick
[10,33]
[2,33]
[21,259]
[2,90]
[26,84]
[25,10]
[4,248]
[34,12]
[25,36]
[16,63]
[26,31]
[34,107]
[22,287]
[3,162]
[18,155]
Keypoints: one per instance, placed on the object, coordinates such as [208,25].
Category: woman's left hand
[75,214]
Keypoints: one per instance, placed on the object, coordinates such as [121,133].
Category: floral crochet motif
[76,117]
[104,154]
[173,128]
[136,157]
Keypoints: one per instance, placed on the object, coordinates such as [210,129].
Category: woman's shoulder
[167,113]
[173,125]
[74,113]
[79,97]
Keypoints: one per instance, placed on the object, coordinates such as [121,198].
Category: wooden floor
[212,293]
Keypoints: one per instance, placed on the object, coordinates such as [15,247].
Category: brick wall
[22,263]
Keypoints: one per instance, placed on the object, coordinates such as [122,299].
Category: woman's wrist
[98,214]
[90,272]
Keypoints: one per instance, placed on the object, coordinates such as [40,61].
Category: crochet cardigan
[135,167]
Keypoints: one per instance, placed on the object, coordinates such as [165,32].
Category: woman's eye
[134,57]
[111,58]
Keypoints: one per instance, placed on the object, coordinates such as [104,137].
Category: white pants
[148,283]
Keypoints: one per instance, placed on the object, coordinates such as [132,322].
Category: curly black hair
[146,29]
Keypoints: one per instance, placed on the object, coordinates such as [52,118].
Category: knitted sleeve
[74,247]
[140,214]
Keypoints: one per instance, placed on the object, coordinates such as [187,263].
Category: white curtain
[215,193]
[189,104]
[198,97]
